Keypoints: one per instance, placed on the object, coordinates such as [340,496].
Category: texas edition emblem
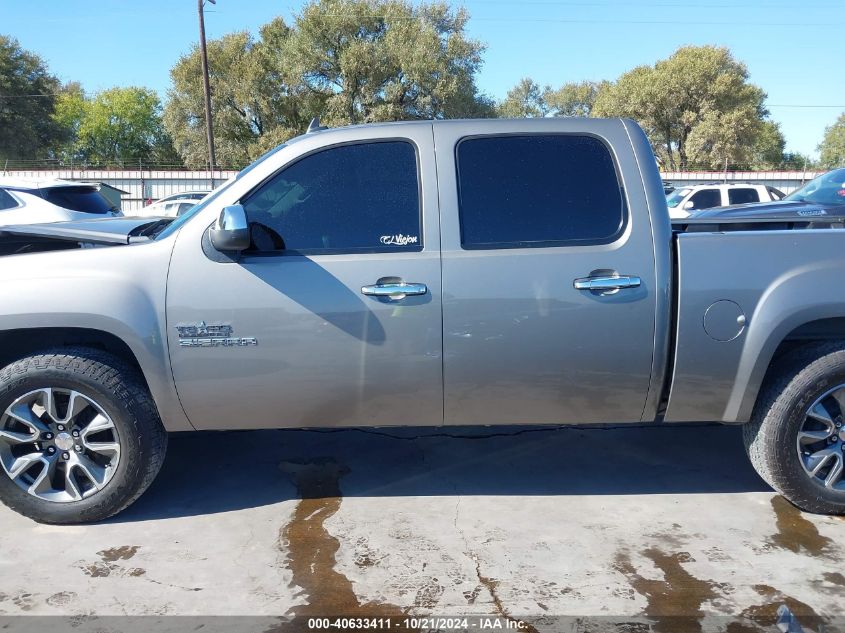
[203,335]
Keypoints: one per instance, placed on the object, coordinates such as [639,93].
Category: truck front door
[548,273]
[299,331]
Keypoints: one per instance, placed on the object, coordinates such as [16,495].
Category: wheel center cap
[64,441]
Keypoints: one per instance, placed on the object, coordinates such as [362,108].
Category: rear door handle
[394,290]
[609,284]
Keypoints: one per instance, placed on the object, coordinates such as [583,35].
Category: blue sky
[791,48]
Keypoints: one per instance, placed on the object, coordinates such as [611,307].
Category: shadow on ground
[207,473]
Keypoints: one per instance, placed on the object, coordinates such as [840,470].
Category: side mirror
[688,205]
[231,231]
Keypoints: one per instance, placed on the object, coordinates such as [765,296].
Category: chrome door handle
[394,291]
[611,283]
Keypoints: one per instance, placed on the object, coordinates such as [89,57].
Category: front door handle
[394,290]
[607,284]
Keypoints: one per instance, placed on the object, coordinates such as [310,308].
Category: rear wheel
[80,438]
[796,438]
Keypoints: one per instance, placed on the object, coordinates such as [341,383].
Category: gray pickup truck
[481,272]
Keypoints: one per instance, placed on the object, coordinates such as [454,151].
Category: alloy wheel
[58,444]
[821,440]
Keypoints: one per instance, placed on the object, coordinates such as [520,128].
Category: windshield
[828,188]
[674,199]
[187,215]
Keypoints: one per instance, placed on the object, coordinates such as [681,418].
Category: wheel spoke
[835,473]
[23,413]
[24,463]
[99,423]
[107,448]
[95,474]
[42,482]
[818,460]
[70,484]
[13,437]
[820,413]
[811,437]
[76,405]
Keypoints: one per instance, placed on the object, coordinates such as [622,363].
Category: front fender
[117,290]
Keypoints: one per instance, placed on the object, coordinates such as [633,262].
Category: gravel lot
[638,526]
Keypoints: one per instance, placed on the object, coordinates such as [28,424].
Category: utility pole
[204,54]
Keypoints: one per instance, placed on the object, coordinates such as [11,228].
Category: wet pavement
[663,529]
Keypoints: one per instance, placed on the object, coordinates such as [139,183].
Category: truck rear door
[548,272]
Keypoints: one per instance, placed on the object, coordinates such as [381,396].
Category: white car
[684,200]
[171,206]
[26,201]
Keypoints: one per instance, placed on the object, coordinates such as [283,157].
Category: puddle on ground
[796,533]
[766,614]
[311,550]
[674,603]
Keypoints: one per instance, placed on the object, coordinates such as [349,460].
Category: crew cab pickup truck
[483,272]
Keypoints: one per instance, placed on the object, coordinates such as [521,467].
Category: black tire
[793,385]
[120,391]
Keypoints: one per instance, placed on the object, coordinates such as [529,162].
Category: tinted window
[6,200]
[743,196]
[86,199]
[706,198]
[347,198]
[522,191]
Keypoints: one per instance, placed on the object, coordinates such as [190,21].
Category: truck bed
[776,278]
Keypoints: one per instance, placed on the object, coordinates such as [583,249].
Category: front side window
[743,196]
[706,199]
[349,198]
[535,191]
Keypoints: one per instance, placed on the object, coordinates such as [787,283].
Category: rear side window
[535,191]
[85,199]
[349,198]
[743,196]
[6,200]
[706,198]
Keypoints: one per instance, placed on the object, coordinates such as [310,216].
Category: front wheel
[796,438]
[80,438]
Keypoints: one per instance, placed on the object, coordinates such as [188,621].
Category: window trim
[346,251]
[488,246]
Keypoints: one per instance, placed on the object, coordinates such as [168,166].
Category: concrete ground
[665,529]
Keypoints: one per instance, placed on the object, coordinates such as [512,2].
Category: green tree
[27,100]
[525,99]
[254,104]
[832,147]
[116,127]
[575,99]
[529,99]
[697,106]
[382,60]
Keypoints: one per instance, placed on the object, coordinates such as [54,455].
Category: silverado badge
[203,335]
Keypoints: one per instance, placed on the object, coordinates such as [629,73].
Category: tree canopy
[528,99]
[349,61]
[118,126]
[832,147]
[27,101]
[697,107]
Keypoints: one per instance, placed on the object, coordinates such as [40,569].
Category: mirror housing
[231,231]
[688,205]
